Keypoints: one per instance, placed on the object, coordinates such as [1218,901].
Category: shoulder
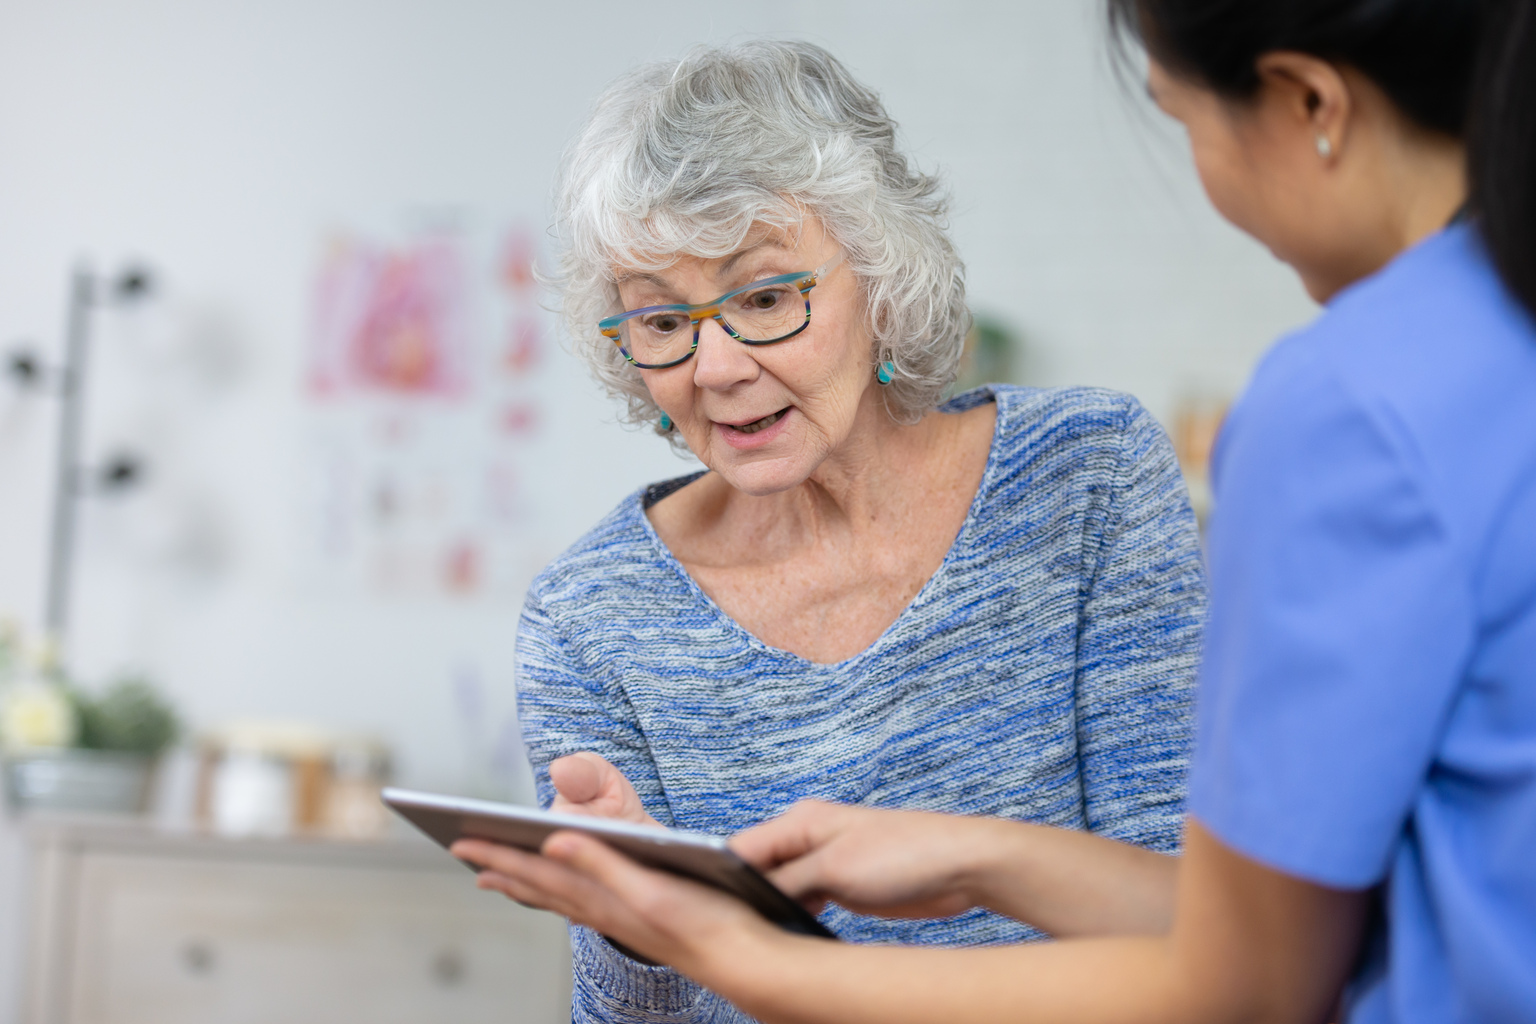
[1446,283]
[1316,449]
[618,552]
[1090,434]
[1024,404]
[1068,463]
[1417,355]
[1427,329]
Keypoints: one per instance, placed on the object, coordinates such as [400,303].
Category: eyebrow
[655,279]
[725,268]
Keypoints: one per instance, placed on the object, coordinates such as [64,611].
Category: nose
[721,361]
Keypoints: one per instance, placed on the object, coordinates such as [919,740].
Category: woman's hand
[872,861]
[585,783]
[912,864]
[667,919]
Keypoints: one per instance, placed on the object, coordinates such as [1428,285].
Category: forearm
[808,981]
[1248,944]
[1068,883]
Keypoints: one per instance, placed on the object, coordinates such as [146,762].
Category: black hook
[120,473]
[25,369]
[134,283]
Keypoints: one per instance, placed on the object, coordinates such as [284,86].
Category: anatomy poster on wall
[423,414]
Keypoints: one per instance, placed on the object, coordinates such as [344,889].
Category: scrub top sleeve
[1341,622]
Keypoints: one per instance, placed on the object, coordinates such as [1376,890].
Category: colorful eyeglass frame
[804,281]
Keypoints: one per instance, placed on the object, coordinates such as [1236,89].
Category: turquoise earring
[886,373]
[666,422]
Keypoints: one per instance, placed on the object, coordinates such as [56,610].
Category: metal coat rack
[72,480]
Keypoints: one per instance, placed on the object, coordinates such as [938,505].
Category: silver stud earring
[1324,147]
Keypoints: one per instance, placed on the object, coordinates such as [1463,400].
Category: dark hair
[1463,67]
[1421,52]
[1502,147]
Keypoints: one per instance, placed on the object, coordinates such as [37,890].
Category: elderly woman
[870,595]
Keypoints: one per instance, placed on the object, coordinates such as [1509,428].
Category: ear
[1312,94]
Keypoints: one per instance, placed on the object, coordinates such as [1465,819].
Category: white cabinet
[132,927]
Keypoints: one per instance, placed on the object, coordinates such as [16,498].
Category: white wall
[220,141]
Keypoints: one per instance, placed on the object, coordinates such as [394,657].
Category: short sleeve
[565,707]
[1139,647]
[1341,621]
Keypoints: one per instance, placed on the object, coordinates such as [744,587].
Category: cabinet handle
[198,957]
[448,967]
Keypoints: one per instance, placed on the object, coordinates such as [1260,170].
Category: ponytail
[1502,146]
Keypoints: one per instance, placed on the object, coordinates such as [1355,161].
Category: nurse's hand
[585,783]
[665,918]
[911,864]
[872,861]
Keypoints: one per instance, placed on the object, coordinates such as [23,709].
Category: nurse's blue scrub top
[1368,704]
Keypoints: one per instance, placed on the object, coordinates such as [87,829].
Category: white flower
[36,715]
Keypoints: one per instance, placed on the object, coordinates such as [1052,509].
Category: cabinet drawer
[192,940]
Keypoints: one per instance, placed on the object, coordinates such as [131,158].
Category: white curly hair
[691,157]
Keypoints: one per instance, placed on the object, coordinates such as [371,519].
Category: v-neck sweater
[1045,673]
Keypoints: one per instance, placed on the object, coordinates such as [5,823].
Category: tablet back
[703,858]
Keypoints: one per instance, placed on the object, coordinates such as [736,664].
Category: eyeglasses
[761,313]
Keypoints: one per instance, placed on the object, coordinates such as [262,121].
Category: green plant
[130,717]
[994,353]
[10,649]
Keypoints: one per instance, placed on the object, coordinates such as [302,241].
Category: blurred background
[329,431]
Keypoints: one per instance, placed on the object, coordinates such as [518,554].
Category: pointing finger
[793,834]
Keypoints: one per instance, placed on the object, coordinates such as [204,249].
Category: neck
[854,484]
[1406,185]
[1433,190]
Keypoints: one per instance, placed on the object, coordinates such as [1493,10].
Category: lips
[755,434]
[762,424]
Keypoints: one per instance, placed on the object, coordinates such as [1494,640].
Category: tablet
[694,855]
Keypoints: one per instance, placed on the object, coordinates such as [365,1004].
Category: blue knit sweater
[1045,673]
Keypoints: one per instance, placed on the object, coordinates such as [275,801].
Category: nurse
[1363,799]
